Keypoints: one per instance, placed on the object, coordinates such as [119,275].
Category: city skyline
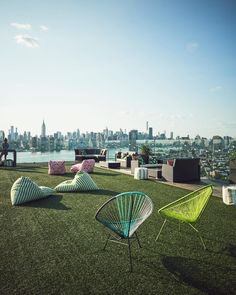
[114,64]
[14,132]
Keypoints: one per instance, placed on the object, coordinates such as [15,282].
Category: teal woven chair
[187,209]
[122,215]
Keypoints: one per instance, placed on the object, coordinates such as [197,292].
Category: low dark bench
[10,162]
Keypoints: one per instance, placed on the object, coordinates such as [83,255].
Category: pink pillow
[170,162]
[56,167]
[86,166]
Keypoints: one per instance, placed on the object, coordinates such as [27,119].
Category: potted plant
[145,152]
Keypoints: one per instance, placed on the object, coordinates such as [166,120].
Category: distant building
[162,135]
[2,135]
[34,142]
[133,136]
[51,143]
[227,140]
[12,134]
[150,133]
[43,130]
[217,142]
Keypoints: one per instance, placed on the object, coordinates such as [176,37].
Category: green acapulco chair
[187,209]
[122,215]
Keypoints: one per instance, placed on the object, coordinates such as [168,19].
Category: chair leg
[138,240]
[108,237]
[204,246]
[130,258]
[160,230]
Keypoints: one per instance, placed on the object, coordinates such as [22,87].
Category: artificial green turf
[54,245]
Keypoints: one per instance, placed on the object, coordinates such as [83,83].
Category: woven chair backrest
[190,207]
[124,213]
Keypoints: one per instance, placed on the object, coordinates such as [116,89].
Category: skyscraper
[43,130]
[133,136]
[150,133]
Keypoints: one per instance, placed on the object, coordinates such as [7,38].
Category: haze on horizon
[117,64]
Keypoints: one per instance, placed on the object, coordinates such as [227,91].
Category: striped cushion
[24,190]
[141,173]
[47,191]
[81,182]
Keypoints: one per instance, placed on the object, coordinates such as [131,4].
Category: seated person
[5,147]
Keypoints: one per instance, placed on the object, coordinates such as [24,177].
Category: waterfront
[38,157]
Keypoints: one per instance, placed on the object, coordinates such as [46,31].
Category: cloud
[22,26]
[192,46]
[43,28]
[216,88]
[27,41]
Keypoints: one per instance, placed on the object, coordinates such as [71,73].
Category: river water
[38,157]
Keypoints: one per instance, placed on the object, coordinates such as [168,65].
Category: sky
[94,64]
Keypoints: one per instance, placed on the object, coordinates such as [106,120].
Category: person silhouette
[5,147]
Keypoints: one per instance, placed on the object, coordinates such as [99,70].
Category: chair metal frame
[187,198]
[119,236]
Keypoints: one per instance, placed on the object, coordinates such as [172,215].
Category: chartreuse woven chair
[122,215]
[187,209]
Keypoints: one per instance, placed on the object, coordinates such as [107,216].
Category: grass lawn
[54,245]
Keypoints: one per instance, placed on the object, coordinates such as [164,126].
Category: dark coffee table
[111,165]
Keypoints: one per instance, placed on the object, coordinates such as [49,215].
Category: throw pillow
[170,162]
[56,167]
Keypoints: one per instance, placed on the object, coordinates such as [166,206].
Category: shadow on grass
[106,173]
[22,169]
[67,174]
[103,192]
[202,275]
[52,202]
[27,169]
[229,250]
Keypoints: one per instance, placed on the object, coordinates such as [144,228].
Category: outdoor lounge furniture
[96,154]
[187,209]
[82,181]
[111,165]
[140,173]
[232,172]
[181,170]
[56,167]
[86,166]
[25,190]
[122,215]
[229,194]
[124,159]
[151,165]
[9,162]
[155,173]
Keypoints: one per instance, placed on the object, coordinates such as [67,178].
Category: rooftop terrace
[54,245]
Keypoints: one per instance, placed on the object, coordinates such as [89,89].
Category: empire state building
[43,130]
